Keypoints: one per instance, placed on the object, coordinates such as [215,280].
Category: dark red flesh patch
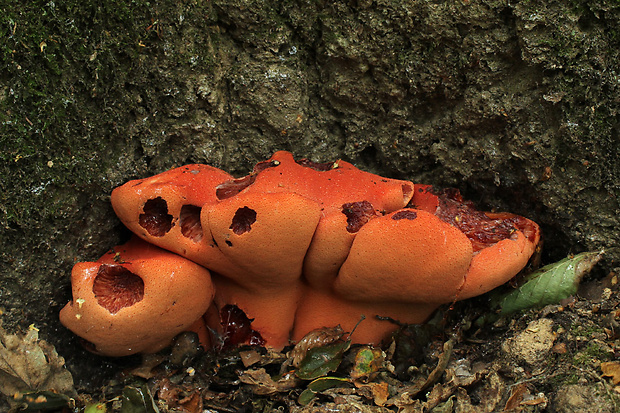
[243,220]
[261,166]
[405,214]
[156,220]
[482,230]
[189,220]
[116,287]
[321,167]
[237,328]
[407,191]
[358,214]
[231,188]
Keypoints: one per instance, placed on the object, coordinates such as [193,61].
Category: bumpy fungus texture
[298,245]
[136,298]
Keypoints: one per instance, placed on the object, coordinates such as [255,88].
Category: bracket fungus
[298,245]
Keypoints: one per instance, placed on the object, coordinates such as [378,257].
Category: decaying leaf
[368,361]
[315,338]
[262,383]
[138,400]
[516,396]
[412,390]
[321,360]
[182,397]
[550,284]
[250,357]
[377,392]
[31,366]
[494,389]
[95,408]
[41,400]
[611,369]
[319,385]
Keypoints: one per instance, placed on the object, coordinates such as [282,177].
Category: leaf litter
[453,363]
[32,374]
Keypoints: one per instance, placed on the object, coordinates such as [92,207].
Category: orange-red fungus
[136,298]
[293,246]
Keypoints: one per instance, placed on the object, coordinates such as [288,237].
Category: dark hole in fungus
[228,243]
[243,220]
[358,214]
[237,328]
[321,167]
[116,287]
[189,219]
[405,214]
[156,220]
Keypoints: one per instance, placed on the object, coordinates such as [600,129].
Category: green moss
[585,330]
[592,354]
[63,63]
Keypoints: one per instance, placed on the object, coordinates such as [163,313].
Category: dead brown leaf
[377,392]
[28,364]
[419,385]
[261,382]
[535,400]
[191,403]
[250,357]
[516,397]
[612,369]
[183,398]
[491,392]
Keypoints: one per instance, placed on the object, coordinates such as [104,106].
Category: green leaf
[321,360]
[95,408]
[138,400]
[306,397]
[550,284]
[319,385]
[328,382]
